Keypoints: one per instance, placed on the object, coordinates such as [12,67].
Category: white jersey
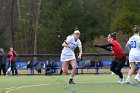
[68,52]
[134,42]
[134,54]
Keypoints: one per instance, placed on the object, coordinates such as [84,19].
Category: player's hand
[79,57]
[67,46]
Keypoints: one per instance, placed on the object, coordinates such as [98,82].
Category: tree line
[31,26]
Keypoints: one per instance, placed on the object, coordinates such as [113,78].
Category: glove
[108,49]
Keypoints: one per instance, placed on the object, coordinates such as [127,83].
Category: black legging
[3,68]
[117,65]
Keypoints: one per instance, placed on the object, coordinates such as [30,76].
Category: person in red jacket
[12,60]
[120,58]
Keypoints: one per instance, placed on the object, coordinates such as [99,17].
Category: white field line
[10,89]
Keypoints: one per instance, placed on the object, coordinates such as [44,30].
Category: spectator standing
[12,60]
[2,62]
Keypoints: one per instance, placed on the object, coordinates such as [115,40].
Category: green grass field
[58,84]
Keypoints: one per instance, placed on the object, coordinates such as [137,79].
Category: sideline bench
[58,65]
[105,65]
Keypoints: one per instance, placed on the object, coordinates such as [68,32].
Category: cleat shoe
[121,81]
[137,79]
[128,81]
[71,81]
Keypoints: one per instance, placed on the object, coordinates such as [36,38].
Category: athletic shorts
[133,58]
[65,57]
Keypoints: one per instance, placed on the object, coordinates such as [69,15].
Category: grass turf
[59,84]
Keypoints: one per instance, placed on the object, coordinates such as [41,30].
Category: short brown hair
[136,29]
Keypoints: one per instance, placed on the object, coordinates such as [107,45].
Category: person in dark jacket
[2,62]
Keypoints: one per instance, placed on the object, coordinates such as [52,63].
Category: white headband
[109,35]
[76,32]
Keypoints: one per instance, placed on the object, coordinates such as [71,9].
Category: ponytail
[113,35]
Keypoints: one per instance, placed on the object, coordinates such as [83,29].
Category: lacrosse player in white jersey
[68,55]
[133,45]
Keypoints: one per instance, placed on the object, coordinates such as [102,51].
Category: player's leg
[0,69]
[116,66]
[12,67]
[65,67]
[130,72]
[113,66]
[137,77]
[4,69]
[120,65]
[132,69]
[73,64]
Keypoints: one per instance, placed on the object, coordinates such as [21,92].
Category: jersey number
[133,44]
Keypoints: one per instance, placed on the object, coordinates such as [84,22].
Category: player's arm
[80,49]
[139,44]
[127,47]
[106,46]
[80,52]
[108,49]
[9,54]
[65,44]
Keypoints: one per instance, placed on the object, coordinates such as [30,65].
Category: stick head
[59,34]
